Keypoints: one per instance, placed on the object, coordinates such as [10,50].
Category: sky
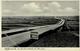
[40,8]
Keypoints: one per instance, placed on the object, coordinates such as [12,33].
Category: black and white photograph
[40,23]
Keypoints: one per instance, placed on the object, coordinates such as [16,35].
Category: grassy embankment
[68,37]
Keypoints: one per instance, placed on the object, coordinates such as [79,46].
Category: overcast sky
[40,8]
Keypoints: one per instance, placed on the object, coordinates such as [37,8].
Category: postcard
[40,25]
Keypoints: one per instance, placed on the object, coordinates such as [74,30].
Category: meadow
[65,38]
[13,22]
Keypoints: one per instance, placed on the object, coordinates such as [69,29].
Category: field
[67,37]
[18,22]
[14,22]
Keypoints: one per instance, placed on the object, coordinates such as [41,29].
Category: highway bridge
[14,37]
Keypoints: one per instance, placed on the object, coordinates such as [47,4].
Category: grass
[65,38]
[17,22]
[59,39]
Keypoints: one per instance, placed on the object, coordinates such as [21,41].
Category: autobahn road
[10,41]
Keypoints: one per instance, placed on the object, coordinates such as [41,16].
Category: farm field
[15,22]
[19,22]
[65,38]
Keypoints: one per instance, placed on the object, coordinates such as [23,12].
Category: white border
[34,48]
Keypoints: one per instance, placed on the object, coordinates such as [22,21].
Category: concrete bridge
[25,34]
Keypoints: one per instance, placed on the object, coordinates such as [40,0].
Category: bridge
[14,37]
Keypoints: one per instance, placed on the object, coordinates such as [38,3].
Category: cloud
[6,11]
[46,8]
[38,8]
[56,4]
[32,7]
[53,7]
[67,9]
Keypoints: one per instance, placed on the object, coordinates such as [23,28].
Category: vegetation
[18,22]
[68,37]
[53,38]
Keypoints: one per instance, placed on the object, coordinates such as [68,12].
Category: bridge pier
[60,29]
[65,27]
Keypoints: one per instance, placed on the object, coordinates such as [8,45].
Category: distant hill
[69,17]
